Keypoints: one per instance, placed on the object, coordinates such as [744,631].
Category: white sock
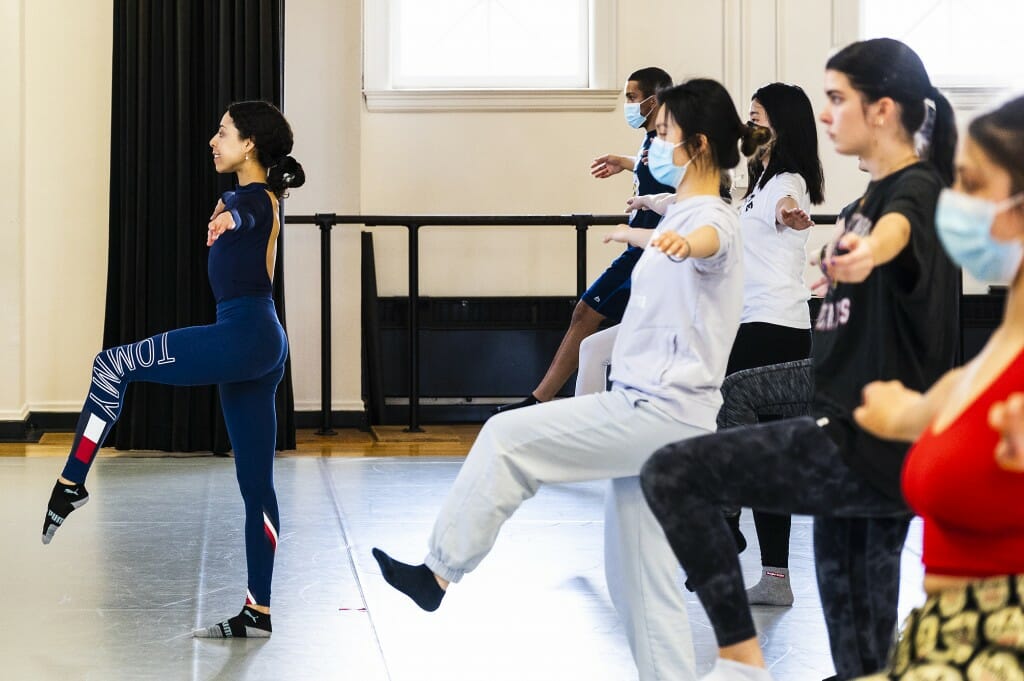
[728,670]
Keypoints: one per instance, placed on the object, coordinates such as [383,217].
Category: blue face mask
[661,165]
[964,224]
[634,118]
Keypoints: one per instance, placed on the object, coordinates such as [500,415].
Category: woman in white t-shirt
[785,180]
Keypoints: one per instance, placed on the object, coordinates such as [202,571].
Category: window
[968,46]
[490,43]
[490,54]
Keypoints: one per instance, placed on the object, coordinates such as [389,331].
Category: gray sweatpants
[594,437]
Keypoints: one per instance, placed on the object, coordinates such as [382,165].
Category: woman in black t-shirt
[889,312]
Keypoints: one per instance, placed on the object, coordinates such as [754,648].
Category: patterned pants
[782,467]
[973,633]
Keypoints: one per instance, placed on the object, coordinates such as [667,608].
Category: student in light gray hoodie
[668,365]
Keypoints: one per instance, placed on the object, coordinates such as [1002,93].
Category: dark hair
[650,80]
[267,127]
[1000,134]
[883,67]
[795,144]
[703,107]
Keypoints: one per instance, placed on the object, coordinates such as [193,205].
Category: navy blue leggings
[244,354]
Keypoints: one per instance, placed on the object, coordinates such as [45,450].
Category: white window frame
[967,96]
[603,94]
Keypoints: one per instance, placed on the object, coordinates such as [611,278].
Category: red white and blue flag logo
[89,443]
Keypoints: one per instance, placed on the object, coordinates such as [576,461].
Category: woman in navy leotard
[243,353]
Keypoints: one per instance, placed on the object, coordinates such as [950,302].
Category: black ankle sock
[528,401]
[734,524]
[63,500]
[415,581]
[250,623]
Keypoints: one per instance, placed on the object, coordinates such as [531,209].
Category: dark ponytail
[943,137]
[268,129]
[883,67]
[287,173]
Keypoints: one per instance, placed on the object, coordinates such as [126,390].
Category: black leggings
[760,344]
[783,467]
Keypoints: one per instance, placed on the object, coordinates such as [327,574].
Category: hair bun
[285,174]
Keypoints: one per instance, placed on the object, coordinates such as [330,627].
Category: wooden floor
[439,440]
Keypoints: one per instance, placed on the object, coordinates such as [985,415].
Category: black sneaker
[63,500]
[249,623]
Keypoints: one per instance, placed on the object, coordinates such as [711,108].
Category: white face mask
[634,118]
[964,224]
[661,165]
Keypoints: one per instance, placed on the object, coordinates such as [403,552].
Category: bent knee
[674,470]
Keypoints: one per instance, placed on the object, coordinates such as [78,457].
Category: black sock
[734,524]
[528,401]
[250,623]
[63,500]
[415,581]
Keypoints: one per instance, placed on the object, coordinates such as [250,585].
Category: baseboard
[339,419]
[32,427]
[440,413]
[54,421]
[19,431]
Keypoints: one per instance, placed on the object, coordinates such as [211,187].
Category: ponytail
[284,175]
[943,138]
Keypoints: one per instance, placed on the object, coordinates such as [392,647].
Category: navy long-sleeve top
[241,260]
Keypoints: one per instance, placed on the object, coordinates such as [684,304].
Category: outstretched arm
[634,236]
[610,164]
[892,411]
[700,243]
[864,253]
[789,214]
[658,203]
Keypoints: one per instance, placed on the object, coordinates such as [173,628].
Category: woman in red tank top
[965,473]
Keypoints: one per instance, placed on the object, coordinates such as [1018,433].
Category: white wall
[54,179]
[67,88]
[322,101]
[13,406]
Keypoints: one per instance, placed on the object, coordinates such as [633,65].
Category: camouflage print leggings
[973,633]
[784,467]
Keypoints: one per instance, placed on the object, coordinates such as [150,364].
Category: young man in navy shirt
[606,298]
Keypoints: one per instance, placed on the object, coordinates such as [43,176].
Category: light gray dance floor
[158,551]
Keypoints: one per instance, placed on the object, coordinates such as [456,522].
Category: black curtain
[177,64]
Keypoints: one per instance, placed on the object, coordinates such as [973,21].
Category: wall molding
[35,424]
[336,405]
[390,101]
[15,414]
